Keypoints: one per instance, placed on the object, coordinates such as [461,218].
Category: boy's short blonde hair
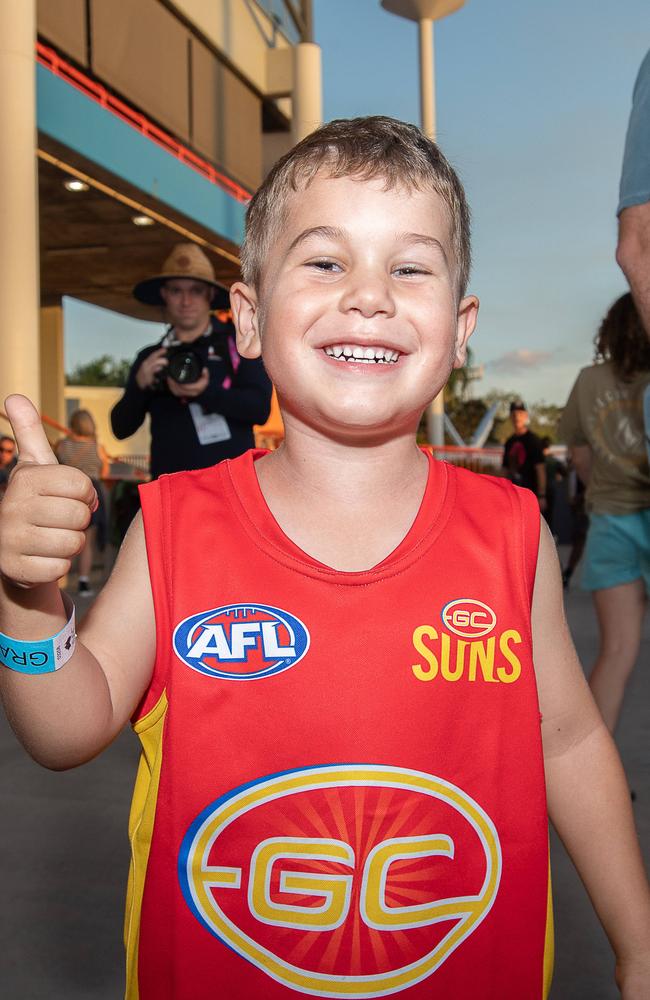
[363,148]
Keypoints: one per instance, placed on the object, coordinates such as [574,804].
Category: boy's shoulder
[498,517]
[210,477]
[491,499]
[482,485]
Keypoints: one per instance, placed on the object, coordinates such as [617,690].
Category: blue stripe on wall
[68,116]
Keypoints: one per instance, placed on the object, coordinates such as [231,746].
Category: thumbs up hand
[46,507]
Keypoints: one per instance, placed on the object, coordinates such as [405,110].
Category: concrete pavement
[64,862]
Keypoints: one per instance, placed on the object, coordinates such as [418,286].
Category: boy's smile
[367,355]
[360,324]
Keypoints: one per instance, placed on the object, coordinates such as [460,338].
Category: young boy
[327,651]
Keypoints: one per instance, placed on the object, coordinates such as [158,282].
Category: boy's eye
[409,269]
[325,266]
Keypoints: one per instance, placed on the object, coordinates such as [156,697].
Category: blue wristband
[44,656]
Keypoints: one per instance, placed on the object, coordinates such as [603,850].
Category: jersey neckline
[255,515]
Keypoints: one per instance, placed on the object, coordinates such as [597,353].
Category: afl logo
[347,880]
[241,642]
[468,619]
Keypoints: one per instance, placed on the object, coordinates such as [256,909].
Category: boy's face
[364,274]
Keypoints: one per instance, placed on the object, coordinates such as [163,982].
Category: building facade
[155,121]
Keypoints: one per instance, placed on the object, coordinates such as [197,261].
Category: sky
[532,106]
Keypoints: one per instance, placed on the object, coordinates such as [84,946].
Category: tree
[101,371]
[465,414]
[459,379]
[544,417]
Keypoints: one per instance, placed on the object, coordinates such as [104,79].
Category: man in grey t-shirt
[633,250]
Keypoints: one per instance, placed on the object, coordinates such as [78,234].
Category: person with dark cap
[523,455]
[202,397]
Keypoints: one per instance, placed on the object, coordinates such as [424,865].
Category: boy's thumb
[31,440]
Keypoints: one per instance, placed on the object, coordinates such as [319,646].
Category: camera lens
[184,367]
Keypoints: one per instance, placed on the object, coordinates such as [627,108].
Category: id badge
[210,427]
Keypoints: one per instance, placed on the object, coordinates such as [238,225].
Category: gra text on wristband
[45,655]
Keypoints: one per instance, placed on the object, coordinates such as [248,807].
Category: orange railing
[48,421]
[95,91]
[138,463]
[486,460]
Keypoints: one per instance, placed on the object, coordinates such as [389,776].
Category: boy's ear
[465,324]
[246,317]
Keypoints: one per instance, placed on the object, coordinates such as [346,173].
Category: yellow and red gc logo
[469,619]
[353,880]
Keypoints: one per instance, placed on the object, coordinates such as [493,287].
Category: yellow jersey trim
[141,820]
[549,938]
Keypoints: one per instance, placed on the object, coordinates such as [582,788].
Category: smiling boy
[327,650]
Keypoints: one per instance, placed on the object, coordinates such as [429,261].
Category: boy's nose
[368,294]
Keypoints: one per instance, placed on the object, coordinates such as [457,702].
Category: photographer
[202,397]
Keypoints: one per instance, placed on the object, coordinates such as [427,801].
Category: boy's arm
[588,796]
[68,716]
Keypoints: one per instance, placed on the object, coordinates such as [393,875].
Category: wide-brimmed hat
[185,261]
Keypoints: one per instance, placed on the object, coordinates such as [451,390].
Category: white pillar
[52,365]
[19,264]
[307,109]
[436,409]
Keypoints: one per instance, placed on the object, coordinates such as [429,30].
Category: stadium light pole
[425,12]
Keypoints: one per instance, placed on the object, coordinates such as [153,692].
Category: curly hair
[622,340]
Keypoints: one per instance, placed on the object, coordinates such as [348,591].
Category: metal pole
[19,264]
[308,21]
[435,416]
[427,78]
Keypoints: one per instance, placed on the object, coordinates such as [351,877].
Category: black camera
[184,365]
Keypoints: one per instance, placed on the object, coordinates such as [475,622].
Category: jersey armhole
[156,516]
[529,523]
[527,519]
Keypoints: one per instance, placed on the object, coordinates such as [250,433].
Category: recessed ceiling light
[143,220]
[74,184]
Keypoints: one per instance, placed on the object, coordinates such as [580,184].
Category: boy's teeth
[376,355]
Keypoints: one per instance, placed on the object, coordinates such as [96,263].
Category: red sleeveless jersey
[341,791]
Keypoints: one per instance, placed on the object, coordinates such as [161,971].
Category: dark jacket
[175,446]
[521,454]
